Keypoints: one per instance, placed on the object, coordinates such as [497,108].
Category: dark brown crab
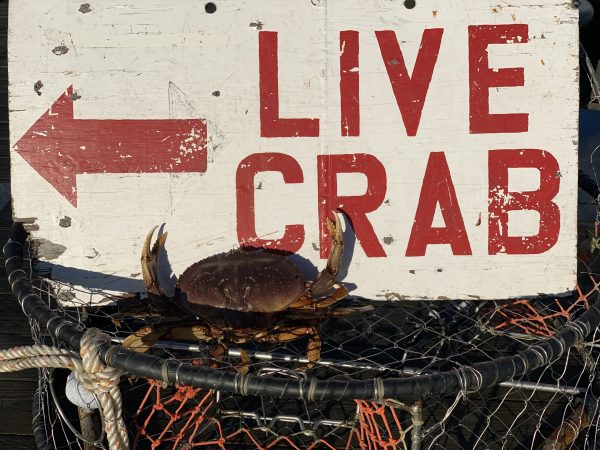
[243,296]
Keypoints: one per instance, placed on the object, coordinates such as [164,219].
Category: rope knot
[103,381]
[90,371]
[93,373]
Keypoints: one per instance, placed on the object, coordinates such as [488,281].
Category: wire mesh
[396,339]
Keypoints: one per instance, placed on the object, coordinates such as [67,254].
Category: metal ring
[164,371]
[312,387]
[15,272]
[65,419]
[378,390]
[22,302]
[11,257]
[177,373]
[10,242]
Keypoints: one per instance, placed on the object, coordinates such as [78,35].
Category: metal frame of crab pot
[467,378]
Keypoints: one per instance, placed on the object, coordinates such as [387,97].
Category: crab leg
[150,262]
[220,352]
[328,313]
[143,339]
[283,334]
[290,333]
[307,303]
[326,278]
[313,349]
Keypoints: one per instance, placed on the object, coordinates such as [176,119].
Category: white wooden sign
[446,131]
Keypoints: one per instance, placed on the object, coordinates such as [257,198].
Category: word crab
[246,295]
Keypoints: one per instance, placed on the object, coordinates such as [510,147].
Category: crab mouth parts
[239,302]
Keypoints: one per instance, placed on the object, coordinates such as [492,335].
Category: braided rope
[89,370]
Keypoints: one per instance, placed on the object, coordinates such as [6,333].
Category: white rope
[89,370]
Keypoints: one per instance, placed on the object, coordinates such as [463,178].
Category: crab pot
[403,366]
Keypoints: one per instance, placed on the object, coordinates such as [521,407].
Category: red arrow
[60,147]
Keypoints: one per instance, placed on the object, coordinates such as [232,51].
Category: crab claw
[326,278]
[150,262]
[334,262]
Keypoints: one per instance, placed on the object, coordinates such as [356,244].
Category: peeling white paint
[150,59]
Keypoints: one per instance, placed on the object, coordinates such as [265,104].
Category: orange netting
[540,317]
[188,418]
[176,408]
[523,316]
[379,426]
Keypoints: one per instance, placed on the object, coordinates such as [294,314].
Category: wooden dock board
[16,389]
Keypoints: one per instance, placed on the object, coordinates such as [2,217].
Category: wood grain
[15,407]
[17,442]
[16,389]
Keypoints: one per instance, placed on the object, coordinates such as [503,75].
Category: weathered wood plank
[16,389]
[8,340]
[23,375]
[16,399]
[13,323]
[89,158]
[17,442]
[12,320]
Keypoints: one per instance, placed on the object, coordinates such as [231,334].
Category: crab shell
[243,289]
[242,281]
